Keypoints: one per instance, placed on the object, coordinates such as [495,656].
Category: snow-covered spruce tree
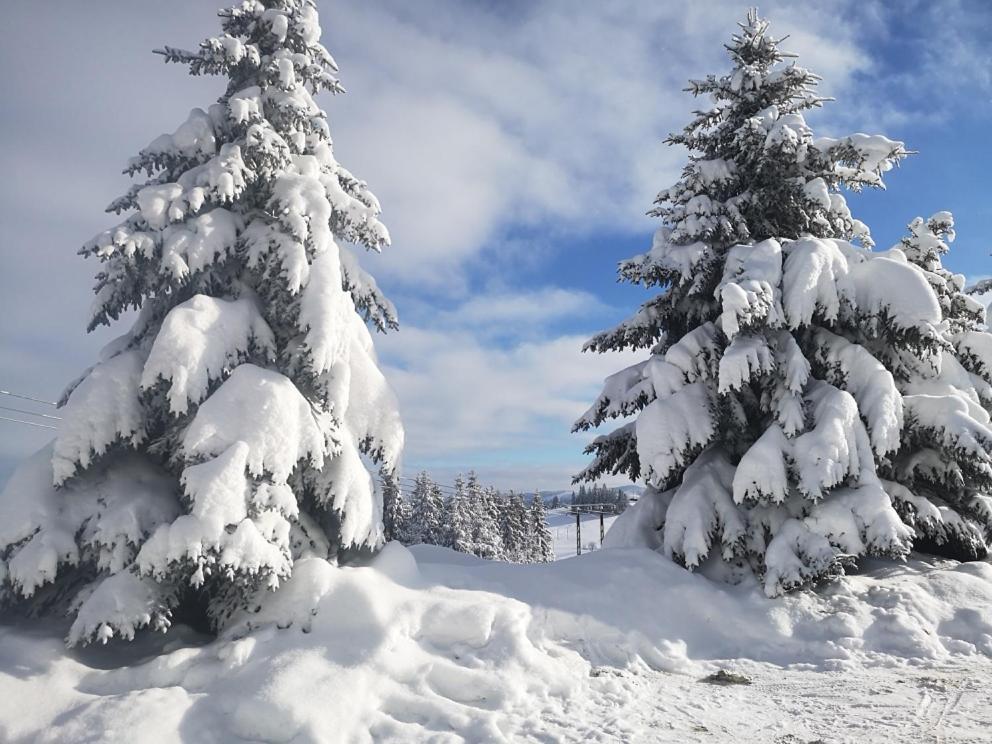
[394,508]
[223,435]
[773,399]
[459,520]
[486,539]
[514,526]
[943,471]
[541,544]
[426,512]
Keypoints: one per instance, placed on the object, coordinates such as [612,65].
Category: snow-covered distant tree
[395,511]
[227,429]
[459,524]
[436,530]
[556,501]
[486,537]
[541,545]
[427,512]
[514,526]
[419,496]
[772,397]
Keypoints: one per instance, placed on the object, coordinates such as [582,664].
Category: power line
[408,483]
[413,481]
[442,486]
[29,423]
[30,413]
[28,397]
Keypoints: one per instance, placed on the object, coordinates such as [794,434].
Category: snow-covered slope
[430,645]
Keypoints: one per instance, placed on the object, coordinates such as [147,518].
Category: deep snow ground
[430,645]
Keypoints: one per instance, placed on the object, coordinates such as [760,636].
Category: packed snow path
[431,645]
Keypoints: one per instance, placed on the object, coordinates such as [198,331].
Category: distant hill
[633,491]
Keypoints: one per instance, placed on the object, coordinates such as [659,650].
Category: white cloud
[505,410]
[470,119]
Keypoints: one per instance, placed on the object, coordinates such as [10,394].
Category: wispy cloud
[470,119]
[469,403]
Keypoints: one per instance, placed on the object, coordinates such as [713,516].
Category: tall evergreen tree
[426,512]
[541,545]
[221,429]
[459,524]
[436,530]
[514,528]
[770,401]
[486,538]
[394,508]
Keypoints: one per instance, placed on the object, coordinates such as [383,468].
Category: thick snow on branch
[220,180]
[200,341]
[695,356]
[863,158]
[860,520]
[665,259]
[834,279]
[975,347]
[794,371]
[227,529]
[947,418]
[264,410]
[193,140]
[853,368]
[345,485]
[102,409]
[702,509]
[105,513]
[624,393]
[931,517]
[815,280]
[671,430]
[749,291]
[796,556]
[327,313]
[747,357]
[197,243]
[121,604]
[359,394]
[888,285]
[836,448]
[762,473]
[849,521]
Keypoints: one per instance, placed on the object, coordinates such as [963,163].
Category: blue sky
[515,147]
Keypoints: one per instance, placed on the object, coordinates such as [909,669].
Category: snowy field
[562,528]
[431,645]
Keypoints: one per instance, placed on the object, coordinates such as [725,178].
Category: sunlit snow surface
[431,645]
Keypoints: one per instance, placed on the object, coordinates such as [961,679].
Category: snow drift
[432,644]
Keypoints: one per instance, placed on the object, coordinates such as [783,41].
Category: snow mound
[424,645]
